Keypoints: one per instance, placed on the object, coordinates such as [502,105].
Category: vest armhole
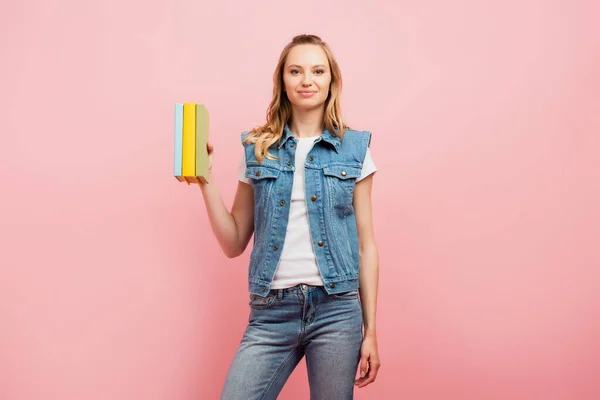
[365,144]
[245,145]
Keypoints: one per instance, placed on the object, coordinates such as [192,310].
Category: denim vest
[331,168]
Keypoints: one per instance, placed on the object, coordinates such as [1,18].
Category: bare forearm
[221,220]
[369,281]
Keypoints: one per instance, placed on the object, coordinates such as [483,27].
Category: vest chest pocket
[262,178]
[340,180]
[260,172]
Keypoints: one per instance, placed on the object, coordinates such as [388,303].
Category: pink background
[486,123]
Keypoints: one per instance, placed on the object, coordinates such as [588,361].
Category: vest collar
[326,136]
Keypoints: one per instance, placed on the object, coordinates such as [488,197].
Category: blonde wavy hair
[280,109]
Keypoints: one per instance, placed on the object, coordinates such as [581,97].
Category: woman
[305,193]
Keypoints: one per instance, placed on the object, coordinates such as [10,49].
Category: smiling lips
[306,93]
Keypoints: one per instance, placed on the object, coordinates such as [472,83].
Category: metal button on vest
[332,285]
[310,158]
[289,163]
[292,145]
[314,198]
[257,173]
[304,287]
[282,202]
[343,173]
[263,289]
[320,243]
[275,248]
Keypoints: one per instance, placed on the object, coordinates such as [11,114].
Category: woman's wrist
[370,331]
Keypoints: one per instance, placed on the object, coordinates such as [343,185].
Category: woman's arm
[368,278]
[232,229]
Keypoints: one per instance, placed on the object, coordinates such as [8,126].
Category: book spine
[188,164]
[202,124]
[177,159]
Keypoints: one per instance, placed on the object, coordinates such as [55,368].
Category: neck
[307,123]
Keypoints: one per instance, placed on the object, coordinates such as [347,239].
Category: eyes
[297,71]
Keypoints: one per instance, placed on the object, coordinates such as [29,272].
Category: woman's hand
[369,361]
[211,150]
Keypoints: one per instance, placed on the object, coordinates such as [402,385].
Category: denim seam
[277,373]
[337,298]
[264,306]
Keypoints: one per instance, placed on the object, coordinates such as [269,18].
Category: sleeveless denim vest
[331,168]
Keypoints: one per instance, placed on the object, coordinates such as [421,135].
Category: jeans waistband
[300,288]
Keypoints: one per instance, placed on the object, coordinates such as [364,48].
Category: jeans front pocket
[349,295]
[260,303]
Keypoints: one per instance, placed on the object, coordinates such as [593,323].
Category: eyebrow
[315,66]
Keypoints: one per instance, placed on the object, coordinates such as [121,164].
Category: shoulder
[255,135]
[244,135]
[359,137]
[357,141]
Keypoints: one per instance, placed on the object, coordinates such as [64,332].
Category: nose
[306,81]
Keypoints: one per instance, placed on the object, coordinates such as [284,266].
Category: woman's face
[306,76]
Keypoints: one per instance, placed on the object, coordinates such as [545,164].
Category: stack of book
[191,136]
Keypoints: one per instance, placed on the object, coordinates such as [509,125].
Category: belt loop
[279,294]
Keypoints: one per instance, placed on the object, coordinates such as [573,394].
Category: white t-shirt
[298,263]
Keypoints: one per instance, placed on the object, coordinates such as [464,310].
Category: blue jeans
[285,326]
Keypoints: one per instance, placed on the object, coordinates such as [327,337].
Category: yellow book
[188,158]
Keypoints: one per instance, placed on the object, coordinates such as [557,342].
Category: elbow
[368,249]
[233,252]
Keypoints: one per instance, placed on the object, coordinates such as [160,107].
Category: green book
[201,141]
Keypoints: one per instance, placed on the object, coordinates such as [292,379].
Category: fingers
[370,376]
[364,366]
[210,149]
